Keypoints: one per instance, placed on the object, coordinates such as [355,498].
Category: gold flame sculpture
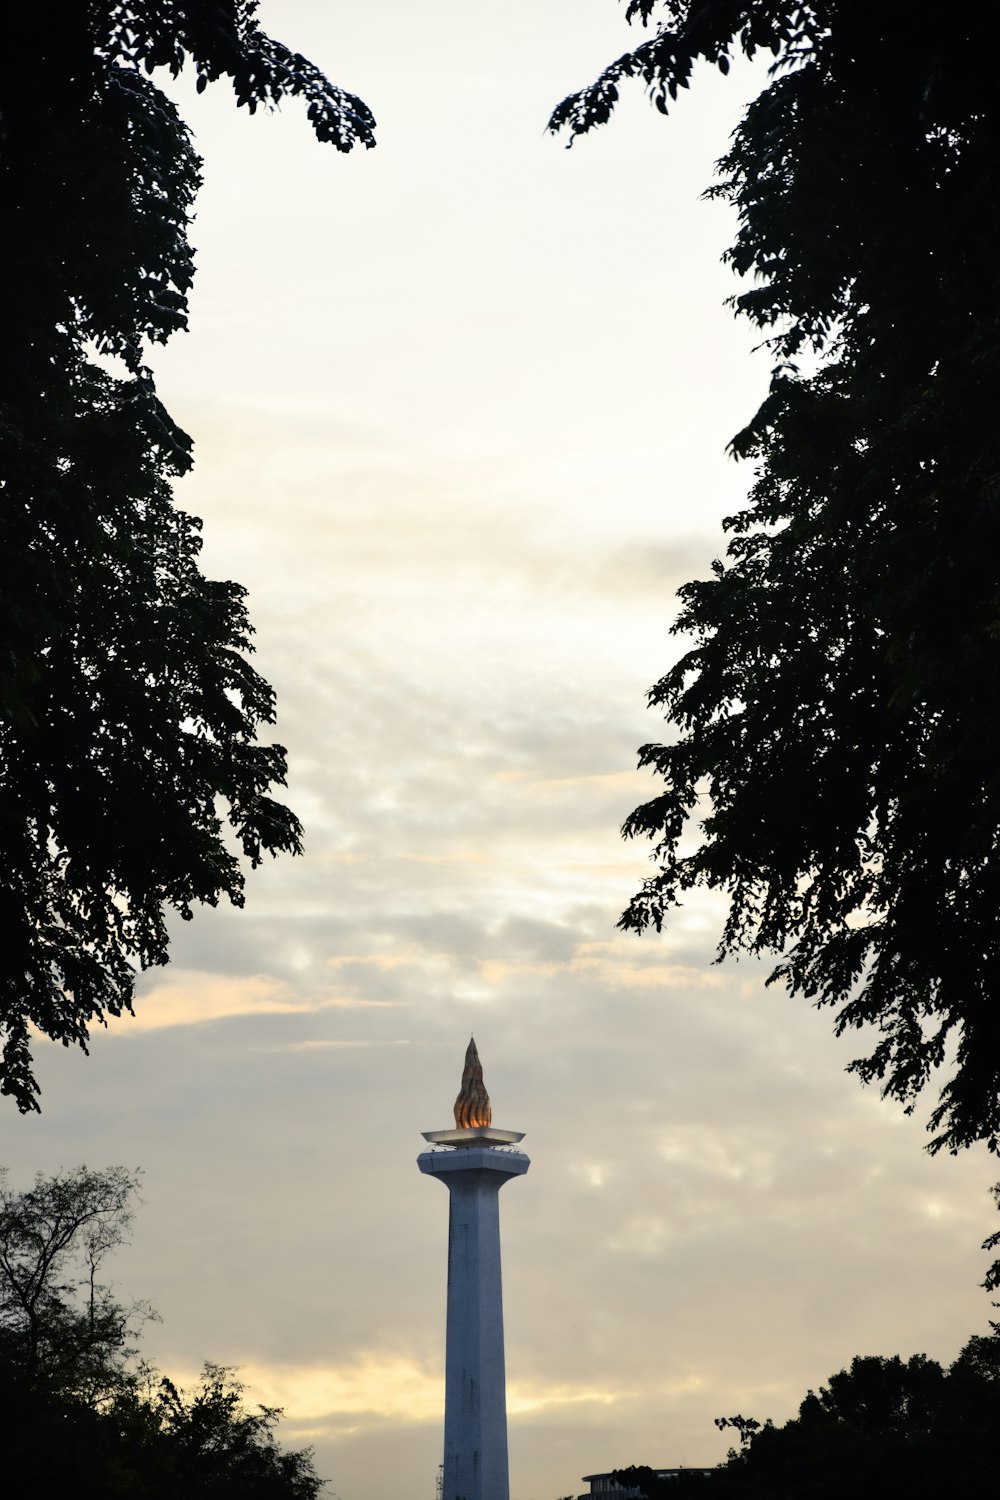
[472,1107]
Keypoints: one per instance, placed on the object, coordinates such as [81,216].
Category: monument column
[474,1161]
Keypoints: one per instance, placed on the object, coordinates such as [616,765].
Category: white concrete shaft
[475,1403]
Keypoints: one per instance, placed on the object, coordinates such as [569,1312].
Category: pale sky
[460,408]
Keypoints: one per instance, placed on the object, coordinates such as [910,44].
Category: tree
[221,1449]
[78,1415]
[150,1442]
[60,1327]
[898,1429]
[128,709]
[834,723]
[887,1426]
[643,1483]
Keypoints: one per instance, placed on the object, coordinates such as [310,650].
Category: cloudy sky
[460,408]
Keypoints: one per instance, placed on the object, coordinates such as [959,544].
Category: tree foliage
[150,1441]
[60,1327]
[640,1482]
[835,721]
[885,1427]
[78,1415]
[128,709]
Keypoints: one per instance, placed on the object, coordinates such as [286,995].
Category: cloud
[325,1043]
[187,998]
[462,483]
[192,998]
[378,1386]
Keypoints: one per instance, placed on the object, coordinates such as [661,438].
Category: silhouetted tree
[151,1443]
[78,1415]
[835,723]
[644,1483]
[219,1448]
[128,710]
[60,1327]
[902,1430]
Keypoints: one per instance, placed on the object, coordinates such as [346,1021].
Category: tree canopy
[832,763]
[78,1414]
[886,1427]
[60,1327]
[128,709]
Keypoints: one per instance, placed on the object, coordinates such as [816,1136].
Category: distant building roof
[606,1484]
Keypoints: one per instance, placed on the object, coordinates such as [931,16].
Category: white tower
[474,1161]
